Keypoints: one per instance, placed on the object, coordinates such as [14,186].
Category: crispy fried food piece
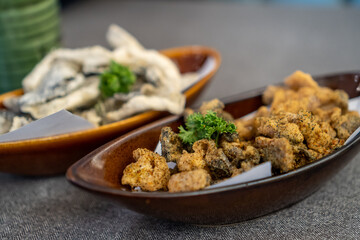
[316,138]
[217,163]
[304,155]
[206,155]
[171,145]
[303,93]
[269,93]
[287,100]
[191,161]
[278,150]
[230,137]
[305,122]
[346,124]
[150,172]
[329,98]
[189,181]
[252,158]
[217,106]
[214,105]
[300,79]
[262,112]
[278,126]
[326,127]
[236,171]
[244,129]
[327,114]
[313,119]
[293,102]
[195,160]
[279,97]
[241,154]
[187,112]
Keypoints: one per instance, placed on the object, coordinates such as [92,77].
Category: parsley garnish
[117,79]
[207,126]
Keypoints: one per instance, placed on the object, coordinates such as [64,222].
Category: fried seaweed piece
[171,145]
[278,150]
[150,172]
[189,181]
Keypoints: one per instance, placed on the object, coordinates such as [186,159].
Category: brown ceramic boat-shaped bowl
[101,171]
[53,155]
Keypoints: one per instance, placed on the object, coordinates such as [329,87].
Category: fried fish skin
[171,145]
[150,172]
[189,181]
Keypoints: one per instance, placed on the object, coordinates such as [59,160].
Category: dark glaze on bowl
[100,172]
[53,155]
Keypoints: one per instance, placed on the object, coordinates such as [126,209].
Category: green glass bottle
[29,29]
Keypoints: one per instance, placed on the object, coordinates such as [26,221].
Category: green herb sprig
[208,126]
[117,79]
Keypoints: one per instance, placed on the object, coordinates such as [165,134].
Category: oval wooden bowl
[53,155]
[100,172]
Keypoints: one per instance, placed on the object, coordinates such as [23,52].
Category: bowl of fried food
[305,128]
[115,91]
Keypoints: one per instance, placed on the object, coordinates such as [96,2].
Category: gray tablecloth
[259,45]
